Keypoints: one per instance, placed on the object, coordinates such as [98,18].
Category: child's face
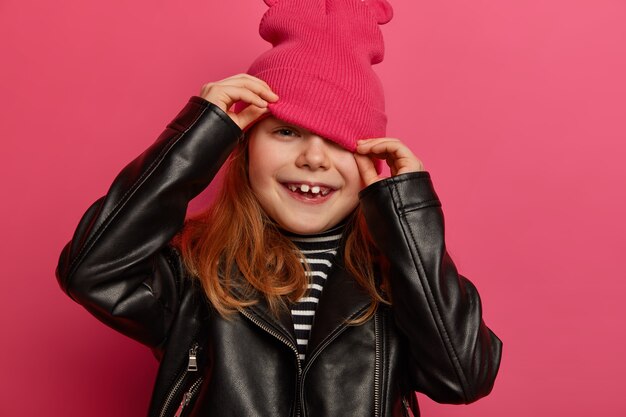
[303,182]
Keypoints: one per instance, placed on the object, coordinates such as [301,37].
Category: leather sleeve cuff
[183,116]
[410,191]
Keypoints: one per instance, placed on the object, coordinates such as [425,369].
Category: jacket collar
[342,299]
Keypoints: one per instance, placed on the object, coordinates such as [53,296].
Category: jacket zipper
[286,342]
[192,366]
[188,396]
[377,366]
[321,348]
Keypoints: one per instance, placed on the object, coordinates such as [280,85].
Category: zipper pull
[407,408]
[184,402]
[192,365]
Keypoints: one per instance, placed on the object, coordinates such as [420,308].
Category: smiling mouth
[308,191]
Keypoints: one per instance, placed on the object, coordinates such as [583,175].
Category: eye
[283,131]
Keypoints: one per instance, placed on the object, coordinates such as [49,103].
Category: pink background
[517,109]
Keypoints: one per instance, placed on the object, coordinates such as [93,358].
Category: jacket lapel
[342,299]
[283,323]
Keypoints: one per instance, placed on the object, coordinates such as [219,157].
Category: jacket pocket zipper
[192,366]
[188,396]
[407,408]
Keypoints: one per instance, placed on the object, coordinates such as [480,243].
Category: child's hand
[398,156]
[244,87]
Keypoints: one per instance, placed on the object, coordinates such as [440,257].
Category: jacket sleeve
[454,357]
[118,264]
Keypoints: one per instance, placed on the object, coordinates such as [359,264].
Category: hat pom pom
[381,9]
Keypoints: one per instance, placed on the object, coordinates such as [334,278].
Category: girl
[311,287]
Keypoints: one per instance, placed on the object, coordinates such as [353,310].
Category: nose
[314,153]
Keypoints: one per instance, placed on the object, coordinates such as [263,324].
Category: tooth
[292,187]
[304,188]
[315,189]
[326,191]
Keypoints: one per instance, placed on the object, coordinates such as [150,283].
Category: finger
[385,149]
[379,146]
[261,82]
[397,155]
[249,77]
[235,93]
[255,84]
[224,93]
[372,141]
[367,169]
[248,115]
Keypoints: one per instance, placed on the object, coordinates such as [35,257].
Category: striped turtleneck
[319,251]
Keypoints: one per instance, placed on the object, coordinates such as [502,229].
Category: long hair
[235,236]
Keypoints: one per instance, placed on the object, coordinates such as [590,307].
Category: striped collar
[318,242]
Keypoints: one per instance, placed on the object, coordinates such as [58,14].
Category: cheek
[261,173]
[258,179]
[257,164]
[351,175]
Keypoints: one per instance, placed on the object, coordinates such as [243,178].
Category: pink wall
[517,108]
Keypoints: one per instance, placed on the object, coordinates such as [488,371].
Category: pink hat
[320,66]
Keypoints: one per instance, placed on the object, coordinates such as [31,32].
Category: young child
[312,286]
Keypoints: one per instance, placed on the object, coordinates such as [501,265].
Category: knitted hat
[320,66]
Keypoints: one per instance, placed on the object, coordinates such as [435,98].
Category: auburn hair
[235,236]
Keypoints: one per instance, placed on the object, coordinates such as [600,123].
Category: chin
[305,228]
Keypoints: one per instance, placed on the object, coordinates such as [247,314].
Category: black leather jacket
[119,266]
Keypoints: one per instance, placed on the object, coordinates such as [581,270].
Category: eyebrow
[281,123]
